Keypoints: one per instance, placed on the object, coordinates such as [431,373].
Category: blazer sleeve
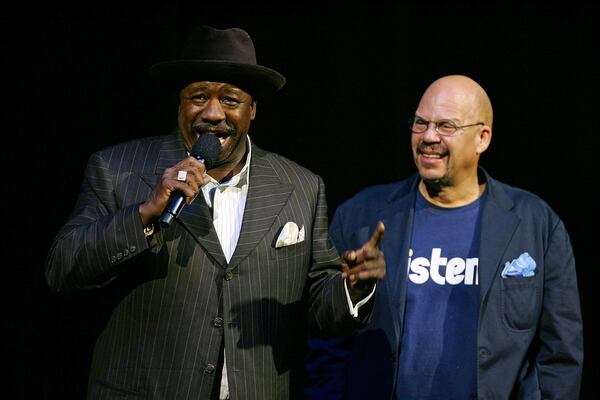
[328,306]
[560,358]
[99,236]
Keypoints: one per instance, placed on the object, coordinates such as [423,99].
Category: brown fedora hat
[219,55]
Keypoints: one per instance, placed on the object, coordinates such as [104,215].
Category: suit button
[210,368]
[125,253]
[228,275]
[218,322]
[132,249]
[119,255]
[113,259]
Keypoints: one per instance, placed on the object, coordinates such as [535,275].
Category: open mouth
[432,156]
[221,134]
[432,152]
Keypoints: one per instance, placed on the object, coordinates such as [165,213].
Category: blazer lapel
[195,218]
[398,220]
[398,224]
[498,225]
[171,152]
[266,197]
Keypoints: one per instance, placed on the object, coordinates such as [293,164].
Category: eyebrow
[454,120]
[234,90]
[199,87]
[231,90]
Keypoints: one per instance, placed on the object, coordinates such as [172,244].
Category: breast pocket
[290,252]
[521,299]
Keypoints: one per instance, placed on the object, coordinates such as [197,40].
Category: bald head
[459,92]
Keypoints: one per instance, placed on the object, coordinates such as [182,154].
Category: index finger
[377,235]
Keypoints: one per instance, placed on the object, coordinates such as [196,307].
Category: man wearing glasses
[480,300]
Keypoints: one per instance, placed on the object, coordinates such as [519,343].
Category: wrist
[146,214]
[358,290]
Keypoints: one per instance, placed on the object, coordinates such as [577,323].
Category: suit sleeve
[98,237]
[328,306]
[560,358]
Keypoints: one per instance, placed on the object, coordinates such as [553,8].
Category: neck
[452,195]
[224,172]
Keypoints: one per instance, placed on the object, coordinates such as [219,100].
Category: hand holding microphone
[180,184]
[206,149]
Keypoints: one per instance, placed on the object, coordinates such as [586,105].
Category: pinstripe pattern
[159,341]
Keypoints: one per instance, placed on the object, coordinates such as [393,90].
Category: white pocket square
[290,234]
[521,267]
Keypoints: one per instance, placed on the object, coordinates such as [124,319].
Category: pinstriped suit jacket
[168,312]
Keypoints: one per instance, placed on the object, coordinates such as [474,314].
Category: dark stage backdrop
[75,80]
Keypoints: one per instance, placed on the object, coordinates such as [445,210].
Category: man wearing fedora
[213,303]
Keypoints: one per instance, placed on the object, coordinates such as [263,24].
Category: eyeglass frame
[411,123]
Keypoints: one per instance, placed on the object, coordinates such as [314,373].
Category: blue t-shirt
[438,354]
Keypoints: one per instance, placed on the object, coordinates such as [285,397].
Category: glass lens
[446,127]
[418,125]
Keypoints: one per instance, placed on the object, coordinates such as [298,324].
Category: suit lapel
[498,225]
[266,197]
[195,218]
[171,152]
[398,225]
[398,220]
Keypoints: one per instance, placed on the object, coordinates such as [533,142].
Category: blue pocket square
[524,266]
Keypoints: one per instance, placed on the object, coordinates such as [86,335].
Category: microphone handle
[172,211]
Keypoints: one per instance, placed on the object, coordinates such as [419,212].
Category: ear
[253,110]
[485,138]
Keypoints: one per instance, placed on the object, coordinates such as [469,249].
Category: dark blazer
[167,311]
[529,342]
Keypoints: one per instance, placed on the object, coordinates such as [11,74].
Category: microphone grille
[207,147]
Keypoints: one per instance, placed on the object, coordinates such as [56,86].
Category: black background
[75,80]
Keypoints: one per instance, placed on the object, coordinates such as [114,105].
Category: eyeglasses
[444,127]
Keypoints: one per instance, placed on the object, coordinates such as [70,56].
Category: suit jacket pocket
[520,299]
[291,251]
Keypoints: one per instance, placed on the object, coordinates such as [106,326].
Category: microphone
[206,149]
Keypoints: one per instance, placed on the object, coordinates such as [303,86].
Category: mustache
[217,130]
[437,148]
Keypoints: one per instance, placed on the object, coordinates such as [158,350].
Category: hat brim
[257,80]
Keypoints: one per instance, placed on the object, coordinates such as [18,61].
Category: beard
[438,183]
[435,185]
